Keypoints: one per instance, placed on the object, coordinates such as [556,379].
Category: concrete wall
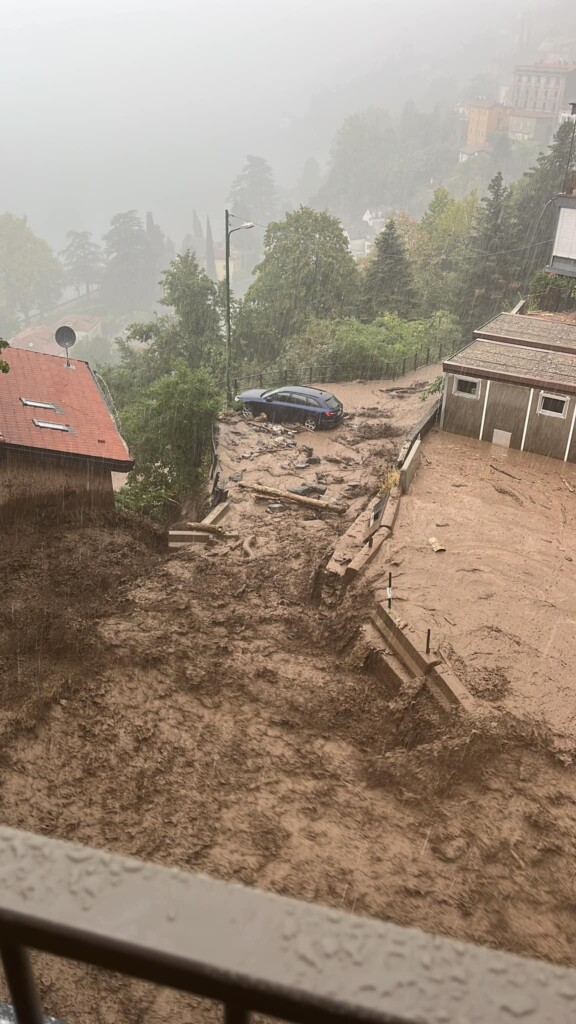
[507,410]
[28,481]
[410,467]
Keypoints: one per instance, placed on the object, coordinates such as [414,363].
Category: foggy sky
[116,104]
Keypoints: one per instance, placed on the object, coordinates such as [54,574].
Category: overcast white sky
[113,104]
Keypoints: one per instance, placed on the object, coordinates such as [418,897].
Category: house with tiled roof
[59,443]
[515,385]
[40,337]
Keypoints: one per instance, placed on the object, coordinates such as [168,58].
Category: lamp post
[245,226]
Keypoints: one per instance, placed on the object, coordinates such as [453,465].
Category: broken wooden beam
[272,492]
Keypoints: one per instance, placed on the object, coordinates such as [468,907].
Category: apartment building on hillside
[546,88]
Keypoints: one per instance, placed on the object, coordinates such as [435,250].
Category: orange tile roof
[79,402]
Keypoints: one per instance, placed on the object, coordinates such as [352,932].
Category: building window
[50,426]
[553,405]
[39,405]
[467,386]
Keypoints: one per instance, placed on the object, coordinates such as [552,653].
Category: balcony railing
[249,950]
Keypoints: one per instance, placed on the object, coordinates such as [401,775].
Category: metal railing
[248,950]
[346,370]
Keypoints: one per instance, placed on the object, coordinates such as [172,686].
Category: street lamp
[230,231]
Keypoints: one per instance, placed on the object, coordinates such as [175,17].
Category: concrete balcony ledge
[251,950]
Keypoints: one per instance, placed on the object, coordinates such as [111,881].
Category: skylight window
[38,405]
[51,426]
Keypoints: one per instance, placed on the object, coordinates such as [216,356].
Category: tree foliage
[190,332]
[83,260]
[341,346]
[253,198]
[379,162]
[30,274]
[388,280]
[168,427]
[307,272]
[135,256]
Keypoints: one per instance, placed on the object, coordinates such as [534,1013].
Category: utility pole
[229,231]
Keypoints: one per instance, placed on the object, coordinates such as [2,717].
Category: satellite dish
[65,337]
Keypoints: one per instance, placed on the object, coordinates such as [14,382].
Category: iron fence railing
[252,952]
[345,370]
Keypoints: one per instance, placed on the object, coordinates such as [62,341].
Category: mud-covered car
[313,407]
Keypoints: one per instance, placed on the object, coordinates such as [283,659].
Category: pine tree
[210,260]
[83,260]
[534,214]
[388,285]
[488,280]
[197,226]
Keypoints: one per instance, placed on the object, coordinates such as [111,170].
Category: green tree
[83,260]
[552,292]
[190,333]
[252,198]
[4,366]
[533,213]
[388,280]
[168,427]
[487,278]
[253,192]
[196,226]
[30,273]
[210,258]
[128,282]
[440,249]
[307,271]
[349,348]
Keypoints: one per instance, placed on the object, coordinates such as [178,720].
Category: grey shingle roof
[530,329]
[501,361]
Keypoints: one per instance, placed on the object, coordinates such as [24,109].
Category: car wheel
[250,412]
[310,423]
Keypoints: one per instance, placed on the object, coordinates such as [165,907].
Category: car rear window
[332,402]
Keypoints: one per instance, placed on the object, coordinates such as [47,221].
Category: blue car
[311,406]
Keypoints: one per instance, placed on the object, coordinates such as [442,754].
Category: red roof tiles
[80,405]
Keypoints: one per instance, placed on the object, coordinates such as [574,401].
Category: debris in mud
[273,492]
[436,545]
[308,490]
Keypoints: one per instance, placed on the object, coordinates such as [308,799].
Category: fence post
[386,371]
[415,360]
[260,381]
[309,374]
[236,385]
[428,356]
[403,366]
[440,353]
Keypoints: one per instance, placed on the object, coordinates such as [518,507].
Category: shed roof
[533,367]
[540,332]
[74,400]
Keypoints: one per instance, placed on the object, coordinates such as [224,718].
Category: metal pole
[228,318]
[20,981]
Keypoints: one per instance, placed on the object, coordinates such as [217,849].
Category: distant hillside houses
[40,337]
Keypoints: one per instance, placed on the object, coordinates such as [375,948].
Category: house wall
[462,415]
[507,410]
[29,481]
